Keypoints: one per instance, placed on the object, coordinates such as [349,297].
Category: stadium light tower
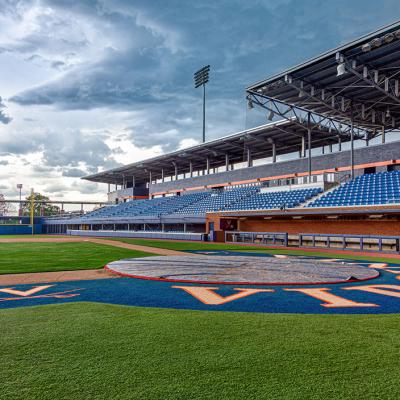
[200,79]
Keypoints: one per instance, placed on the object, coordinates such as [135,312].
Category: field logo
[208,296]
[36,293]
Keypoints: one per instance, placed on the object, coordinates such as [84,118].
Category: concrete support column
[162,175]
[309,146]
[383,135]
[176,172]
[303,147]
[226,162]
[109,188]
[208,166]
[248,156]
[191,169]
[340,143]
[352,143]
[273,152]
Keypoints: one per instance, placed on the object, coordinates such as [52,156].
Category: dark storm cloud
[139,57]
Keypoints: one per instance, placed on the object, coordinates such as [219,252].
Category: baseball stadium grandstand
[327,161]
[280,275]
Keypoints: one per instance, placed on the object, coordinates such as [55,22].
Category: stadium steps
[319,195]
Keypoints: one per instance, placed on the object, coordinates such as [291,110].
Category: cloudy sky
[89,85]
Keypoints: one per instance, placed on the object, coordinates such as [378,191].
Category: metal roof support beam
[297,114]
[352,143]
[191,169]
[383,135]
[273,152]
[248,157]
[303,147]
[226,162]
[309,146]
[335,102]
[208,166]
[323,99]
[371,77]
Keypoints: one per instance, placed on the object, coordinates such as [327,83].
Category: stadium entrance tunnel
[242,270]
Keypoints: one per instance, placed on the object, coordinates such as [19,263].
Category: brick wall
[357,227]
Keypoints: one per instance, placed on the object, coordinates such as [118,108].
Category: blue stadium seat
[369,189]
[245,198]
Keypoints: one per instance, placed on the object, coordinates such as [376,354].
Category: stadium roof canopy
[357,82]
[261,142]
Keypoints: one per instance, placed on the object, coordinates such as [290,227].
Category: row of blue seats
[269,200]
[369,189]
[249,198]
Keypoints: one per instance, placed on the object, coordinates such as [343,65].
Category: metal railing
[351,242]
[261,238]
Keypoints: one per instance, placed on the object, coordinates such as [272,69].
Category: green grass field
[99,351]
[94,351]
[45,257]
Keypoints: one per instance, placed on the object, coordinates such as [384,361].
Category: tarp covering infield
[380,295]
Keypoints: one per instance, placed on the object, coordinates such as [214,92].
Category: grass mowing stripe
[46,257]
[80,351]
[182,246]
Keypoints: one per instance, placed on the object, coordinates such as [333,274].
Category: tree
[5,208]
[40,209]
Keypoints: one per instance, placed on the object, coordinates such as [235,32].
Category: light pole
[200,79]
[19,186]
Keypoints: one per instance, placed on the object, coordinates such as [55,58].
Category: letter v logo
[25,293]
[208,296]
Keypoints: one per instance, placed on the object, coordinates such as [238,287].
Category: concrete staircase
[306,203]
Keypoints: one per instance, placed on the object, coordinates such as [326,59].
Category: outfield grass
[45,257]
[95,351]
[185,246]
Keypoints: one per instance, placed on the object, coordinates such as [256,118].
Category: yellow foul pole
[32,209]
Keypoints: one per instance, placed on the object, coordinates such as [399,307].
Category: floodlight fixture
[388,38]
[201,77]
[341,69]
